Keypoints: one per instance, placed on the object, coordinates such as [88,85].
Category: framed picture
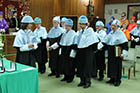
[133,10]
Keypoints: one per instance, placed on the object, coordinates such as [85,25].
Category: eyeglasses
[122,16]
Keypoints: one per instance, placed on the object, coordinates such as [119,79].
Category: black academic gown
[41,52]
[133,43]
[54,55]
[115,63]
[67,64]
[26,58]
[13,23]
[100,59]
[86,62]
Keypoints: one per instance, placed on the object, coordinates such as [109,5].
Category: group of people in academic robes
[72,53]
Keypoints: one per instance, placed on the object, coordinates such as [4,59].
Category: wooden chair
[137,53]
[130,62]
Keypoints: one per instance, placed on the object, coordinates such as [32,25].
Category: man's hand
[30,45]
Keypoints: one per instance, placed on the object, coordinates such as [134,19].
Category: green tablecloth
[24,80]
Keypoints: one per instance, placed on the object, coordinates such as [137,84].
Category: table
[24,80]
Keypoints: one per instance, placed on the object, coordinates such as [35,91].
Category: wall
[46,9]
[121,7]
[121,1]
[43,9]
[99,8]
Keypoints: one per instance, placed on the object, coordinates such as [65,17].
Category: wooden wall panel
[46,9]
[66,7]
[99,8]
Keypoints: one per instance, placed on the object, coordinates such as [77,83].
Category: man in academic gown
[117,45]
[14,21]
[85,58]
[100,54]
[54,36]
[135,35]
[25,42]
[63,22]
[41,52]
[67,52]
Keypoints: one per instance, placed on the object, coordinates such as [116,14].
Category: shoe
[111,81]
[100,79]
[64,79]
[57,76]
[86,85]
[117,84]
[69,81]
[42,72]
[51,74]
[81,84]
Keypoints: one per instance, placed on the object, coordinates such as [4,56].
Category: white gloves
[26,48]
[73,53]
[17,28]
[47,44]
[124,54]
[137,39]
[132,38]
[100,46]
[38,40]
[35,46]
[55,46]
[60,51]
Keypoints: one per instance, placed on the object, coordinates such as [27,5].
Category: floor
[53,85]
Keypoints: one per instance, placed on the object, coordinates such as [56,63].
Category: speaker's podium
[8,51]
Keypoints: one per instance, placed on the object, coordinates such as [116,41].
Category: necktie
[16,22]
[28,39]
[80,36]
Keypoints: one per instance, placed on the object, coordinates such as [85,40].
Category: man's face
[83,26]
[114,27]
[38,25]
[29,26]
[138,25]
[15,14]
[124,26]
[99,28]
[123,16]
[63,24]
[68,27]
[132,20]
[55,23]
[111,19]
